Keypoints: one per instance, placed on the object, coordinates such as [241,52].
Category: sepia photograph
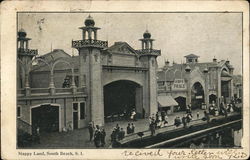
[125,80]
[129,80]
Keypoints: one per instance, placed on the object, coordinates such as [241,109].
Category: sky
[207,35]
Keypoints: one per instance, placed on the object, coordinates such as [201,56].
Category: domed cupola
[89,22]
[146,34]
[22,33]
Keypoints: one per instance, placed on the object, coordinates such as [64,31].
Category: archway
[46,117]
[181,102]
[225,85]
[120,98]
[197,95]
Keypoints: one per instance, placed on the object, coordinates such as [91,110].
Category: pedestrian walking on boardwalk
[97,137]
[103,135]
[184,121]
[129,129]
[198,115]
[152,128]
[91,131]
[132,128]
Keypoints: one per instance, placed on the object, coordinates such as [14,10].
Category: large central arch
[197,95]
[121,97]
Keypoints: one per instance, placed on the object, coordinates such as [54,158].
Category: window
[18,111]
[75,107]
[82,110]
[190,60]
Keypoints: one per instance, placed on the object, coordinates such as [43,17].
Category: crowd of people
[159,120]
[98,134]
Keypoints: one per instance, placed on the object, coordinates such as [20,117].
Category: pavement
[79,138]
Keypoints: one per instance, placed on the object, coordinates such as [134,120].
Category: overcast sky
[176,34]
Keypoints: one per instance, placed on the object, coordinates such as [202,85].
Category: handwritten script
[188,154]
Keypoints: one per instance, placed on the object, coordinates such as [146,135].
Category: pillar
[83,34]
[27,86]
[51,84]
[96,88]
[153,105]
[142,45]
[89,34]
[73,85]
[206,94]
[218,87]
[188,100]
[95,35]
[27,44]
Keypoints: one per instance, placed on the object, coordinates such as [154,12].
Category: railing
[24,126]
[63,90]
[81,90]
[89,42]
[47,91]
[150,51]
[32,52]
[39,90]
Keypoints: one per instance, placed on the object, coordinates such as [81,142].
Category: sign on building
[179,84]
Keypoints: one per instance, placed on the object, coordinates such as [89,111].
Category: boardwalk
[80,138]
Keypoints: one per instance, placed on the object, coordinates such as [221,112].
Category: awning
[166,101]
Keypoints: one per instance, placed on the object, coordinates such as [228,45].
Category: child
[198,114]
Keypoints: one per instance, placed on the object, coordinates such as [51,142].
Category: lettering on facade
[179,84]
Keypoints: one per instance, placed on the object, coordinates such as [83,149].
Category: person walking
[198,114]
[91,131]
[121,134]
[97,137]
[152,128]
[38,135]
[184,121]
[132,128]
[102,136]
[128,129]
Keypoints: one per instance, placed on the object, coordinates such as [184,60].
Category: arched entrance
[225,85]
[46,117]
[197,95]
[212,98]
[181,102]
[120,97]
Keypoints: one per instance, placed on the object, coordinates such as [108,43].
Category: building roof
[191,56]
[53,56]
[122,47]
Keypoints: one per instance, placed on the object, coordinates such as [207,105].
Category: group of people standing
[158,120]
[98,134]
[118,133]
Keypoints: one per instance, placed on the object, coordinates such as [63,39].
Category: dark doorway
[212,98]
[121,97]
[46,117]
[181,102]
[75,120]
[197,96]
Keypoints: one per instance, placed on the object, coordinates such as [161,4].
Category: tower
[148,56]
[25,56]
[90,69]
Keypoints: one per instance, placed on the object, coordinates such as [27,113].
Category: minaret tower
[148,56]
[90,69]
[25,55]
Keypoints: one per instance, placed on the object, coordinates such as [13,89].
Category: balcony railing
[31,52]
[39,91]
[89,43]
[149,52]
[47,91]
